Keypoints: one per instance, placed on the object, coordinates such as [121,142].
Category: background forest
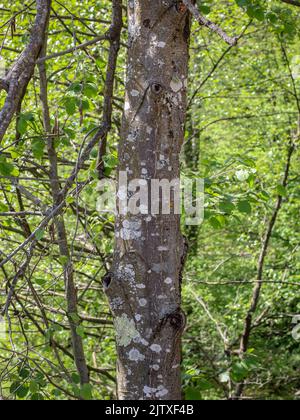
[242,277]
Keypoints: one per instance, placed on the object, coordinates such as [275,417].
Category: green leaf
[215,223]
[40,282]
[75,378]
[38,146]
[76,87]
[192,394]
[63,260]
[244,207]
[90,90]
[227,207]
[22,125]
[74,317]
[56,392]
[34,387]
[24,373]
[22,391]
[84,104]
[86,392]
[70,103]
[3,207]
[204,9]
[18,389]
[281,190]
[80,331]
[37,397]
[239,372]
[40,234]
[6,169]
[264,195]
[111,161]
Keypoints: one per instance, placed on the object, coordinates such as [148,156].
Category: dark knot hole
[156,88]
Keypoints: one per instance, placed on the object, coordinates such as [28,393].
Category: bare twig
[208,24]
[292,2]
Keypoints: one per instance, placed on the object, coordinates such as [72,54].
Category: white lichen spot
[116,303]
[176,84]
[138,317]
[162,391]
[155,367]
[131,230]
[126,272]
[161,44]
[158,268]
[144,342]
[142,302]
[148,391]
[156,348]
[144,171]
[125,330]
[168,280]
[127,106]
[135,356]
[134,93]
[141,286]
[162,248]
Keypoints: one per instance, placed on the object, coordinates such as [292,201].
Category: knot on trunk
[156,88]
[177,320]
[107,279]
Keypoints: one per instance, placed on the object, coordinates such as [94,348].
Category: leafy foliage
[243,114]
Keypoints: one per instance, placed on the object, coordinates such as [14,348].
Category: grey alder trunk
[144,286]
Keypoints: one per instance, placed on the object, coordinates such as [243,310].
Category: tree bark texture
[144,286]
[17,79]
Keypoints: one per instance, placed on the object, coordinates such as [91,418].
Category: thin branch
[208,24]
[20,213]
[292,2]
[73,49]
[115,38]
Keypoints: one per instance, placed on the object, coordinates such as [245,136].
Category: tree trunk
[144,287]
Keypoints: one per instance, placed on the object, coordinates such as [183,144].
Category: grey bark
[144,286]
[17,79]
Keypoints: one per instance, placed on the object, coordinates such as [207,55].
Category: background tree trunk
[144,287]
